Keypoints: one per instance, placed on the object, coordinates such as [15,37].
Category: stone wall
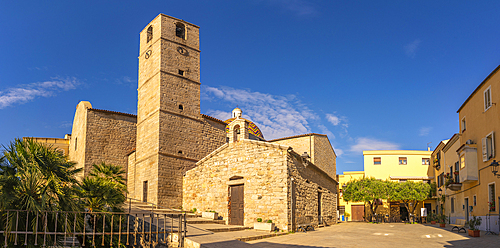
[213,135]
[317,146]
[263,167]
[110,136]
[169,127]
[324,156]
[79,136]
[308,182]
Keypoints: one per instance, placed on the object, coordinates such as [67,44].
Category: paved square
[379,235]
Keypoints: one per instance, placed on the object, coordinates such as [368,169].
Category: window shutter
[485,149]
[492,144]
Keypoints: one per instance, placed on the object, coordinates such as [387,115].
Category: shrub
[259,219]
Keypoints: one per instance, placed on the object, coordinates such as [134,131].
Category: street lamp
[440,192]
[494,168]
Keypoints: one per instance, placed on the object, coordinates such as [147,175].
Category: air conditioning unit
[469,142]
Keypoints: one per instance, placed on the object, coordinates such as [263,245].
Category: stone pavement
[398,235]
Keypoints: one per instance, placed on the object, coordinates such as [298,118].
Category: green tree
[410,193]
[368,190]
[36,177]
[104,189]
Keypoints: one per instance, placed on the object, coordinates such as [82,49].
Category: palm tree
[104,189]
[36,177]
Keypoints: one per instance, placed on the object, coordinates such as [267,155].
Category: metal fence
[95,229]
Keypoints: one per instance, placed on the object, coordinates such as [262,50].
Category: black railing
[50,228]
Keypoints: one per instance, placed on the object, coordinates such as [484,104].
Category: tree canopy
[369,190]
[410,193]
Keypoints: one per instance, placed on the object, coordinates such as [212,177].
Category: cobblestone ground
[379,235]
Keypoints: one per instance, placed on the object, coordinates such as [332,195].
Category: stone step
[205,221]
[228,229]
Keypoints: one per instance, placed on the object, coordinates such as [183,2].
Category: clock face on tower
[182,51]
[148,54]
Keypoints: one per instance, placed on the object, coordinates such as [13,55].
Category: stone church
[177,157]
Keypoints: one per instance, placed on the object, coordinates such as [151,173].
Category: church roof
[252,128]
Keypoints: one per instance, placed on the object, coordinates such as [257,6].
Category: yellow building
[446,165]
[476,190]
[399,166]
[355,210]
[60,144]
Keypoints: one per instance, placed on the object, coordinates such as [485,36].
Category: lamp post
[494,168]
[440,192]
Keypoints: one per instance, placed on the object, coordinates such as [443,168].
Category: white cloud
[25,93]
[363,144]
[424,131]
[325,130]
[276,116]
[333,119]
[125,80]
[411,48]
[338,151]
[221,115]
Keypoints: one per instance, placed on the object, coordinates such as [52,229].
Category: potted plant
[265,226]
[347,215]
[491,206]
[210,214]
[473,225]
[432,218]
[442,220]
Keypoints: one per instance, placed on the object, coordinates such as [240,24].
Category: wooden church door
[237,205]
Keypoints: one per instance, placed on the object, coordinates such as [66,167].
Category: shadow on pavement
[275,245]
[483,241]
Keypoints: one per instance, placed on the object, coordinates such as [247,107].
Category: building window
[462,161]
[487,98]
[488,144]
[426,161]
[377,160]
[462,125]
[441,179]
[456,173]
[491,197]
[402,160]
[181,72]
[452,204]
[150,33]
[76,143]
[180,30]
[474,200]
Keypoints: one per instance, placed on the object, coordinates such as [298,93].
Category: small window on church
[181,107]
[179,152]
[180,30]
[181,72]
[150,33]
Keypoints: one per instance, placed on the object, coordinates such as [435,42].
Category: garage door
[358,211]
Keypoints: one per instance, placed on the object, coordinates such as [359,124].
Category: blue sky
[370,74]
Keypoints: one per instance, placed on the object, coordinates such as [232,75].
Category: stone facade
[172,135]
[278,183]
[177,157]
[317,146]
[101,136]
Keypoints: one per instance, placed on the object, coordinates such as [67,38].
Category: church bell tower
[168,112]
